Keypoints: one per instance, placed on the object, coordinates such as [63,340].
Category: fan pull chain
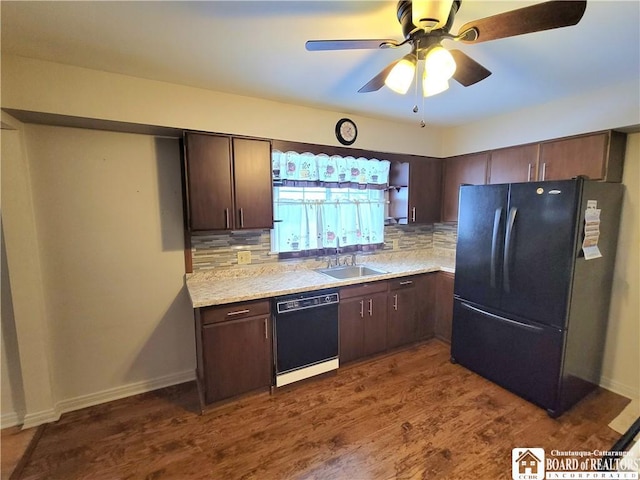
[415,106]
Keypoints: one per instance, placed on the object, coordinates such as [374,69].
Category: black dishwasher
[306,335]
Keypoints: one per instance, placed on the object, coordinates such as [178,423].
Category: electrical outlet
[244,257]
[395,244]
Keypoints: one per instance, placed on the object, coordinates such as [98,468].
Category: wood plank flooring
[410,415]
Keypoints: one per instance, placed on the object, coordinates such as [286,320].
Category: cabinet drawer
[363,290]
[403,282]
[235,311]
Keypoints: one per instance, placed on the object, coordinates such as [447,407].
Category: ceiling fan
[426,23]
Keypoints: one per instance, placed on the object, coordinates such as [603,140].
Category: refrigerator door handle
[507,249]
[494,245]
[525,326]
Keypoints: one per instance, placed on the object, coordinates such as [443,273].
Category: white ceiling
[257,49]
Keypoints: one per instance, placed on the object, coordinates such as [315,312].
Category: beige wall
[25,287]
[621,369]
[93,224]
[109,214]
[40,86]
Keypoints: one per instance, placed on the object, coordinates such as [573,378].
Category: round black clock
[346,131]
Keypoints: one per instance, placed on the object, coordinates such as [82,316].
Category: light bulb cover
[439,63]
[433,85]
[401,75]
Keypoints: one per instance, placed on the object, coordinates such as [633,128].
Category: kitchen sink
[351,271]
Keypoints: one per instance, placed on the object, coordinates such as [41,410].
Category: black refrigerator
[534,268]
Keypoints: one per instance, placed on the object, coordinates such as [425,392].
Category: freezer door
[523,358]
[538,256]
[479,249]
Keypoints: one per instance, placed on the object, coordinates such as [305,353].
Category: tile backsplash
[221,249]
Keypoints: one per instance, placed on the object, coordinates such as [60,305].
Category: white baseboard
[124,391]
[10,419]
[38,418]
[619,388]
[46,416]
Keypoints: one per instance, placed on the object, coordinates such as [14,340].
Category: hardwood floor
[15,444]
[404,416]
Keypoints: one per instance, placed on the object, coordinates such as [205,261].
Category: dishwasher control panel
[300,302]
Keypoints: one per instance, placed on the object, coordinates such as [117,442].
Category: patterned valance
[309,170]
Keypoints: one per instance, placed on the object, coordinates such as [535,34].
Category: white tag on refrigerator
[591,231]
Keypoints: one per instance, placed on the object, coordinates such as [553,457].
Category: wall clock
[346,131]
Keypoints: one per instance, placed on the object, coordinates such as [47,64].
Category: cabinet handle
[241,218]
[266,330]
[529,173]
[544,170]
[413,214]
[406,282]
[237,312]
[361,308]
[226,218]
[395,302]
[371,307]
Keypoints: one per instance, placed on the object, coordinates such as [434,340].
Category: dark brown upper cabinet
[599,156]
[415,190]
[514,164]
[463,169]
[425,190]
[228,183]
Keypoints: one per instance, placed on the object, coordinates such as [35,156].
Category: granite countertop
[237,284]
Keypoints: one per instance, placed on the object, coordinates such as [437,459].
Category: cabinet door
[425,191]
[208,176]
[514,164]
[253,183]
[568,158]
[351,329]
[471,169]
[425,305]
[401,323]
[444,305]
[375,324]
[237,357]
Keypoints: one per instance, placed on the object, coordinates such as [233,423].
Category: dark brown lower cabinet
[444,305]
[363,321]
[375,324]
[235,354]
[425,286]
[401,322]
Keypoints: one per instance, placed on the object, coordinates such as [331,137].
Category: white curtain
[307,225]
[307,169]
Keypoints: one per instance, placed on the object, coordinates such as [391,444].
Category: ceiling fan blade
[318,45]
[535,18]
[468,71]
[377,82]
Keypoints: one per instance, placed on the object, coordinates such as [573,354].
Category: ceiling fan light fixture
[401,75]
[439,63]
[430,14]
[433,85]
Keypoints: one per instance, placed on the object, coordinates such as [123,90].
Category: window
[344,211]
